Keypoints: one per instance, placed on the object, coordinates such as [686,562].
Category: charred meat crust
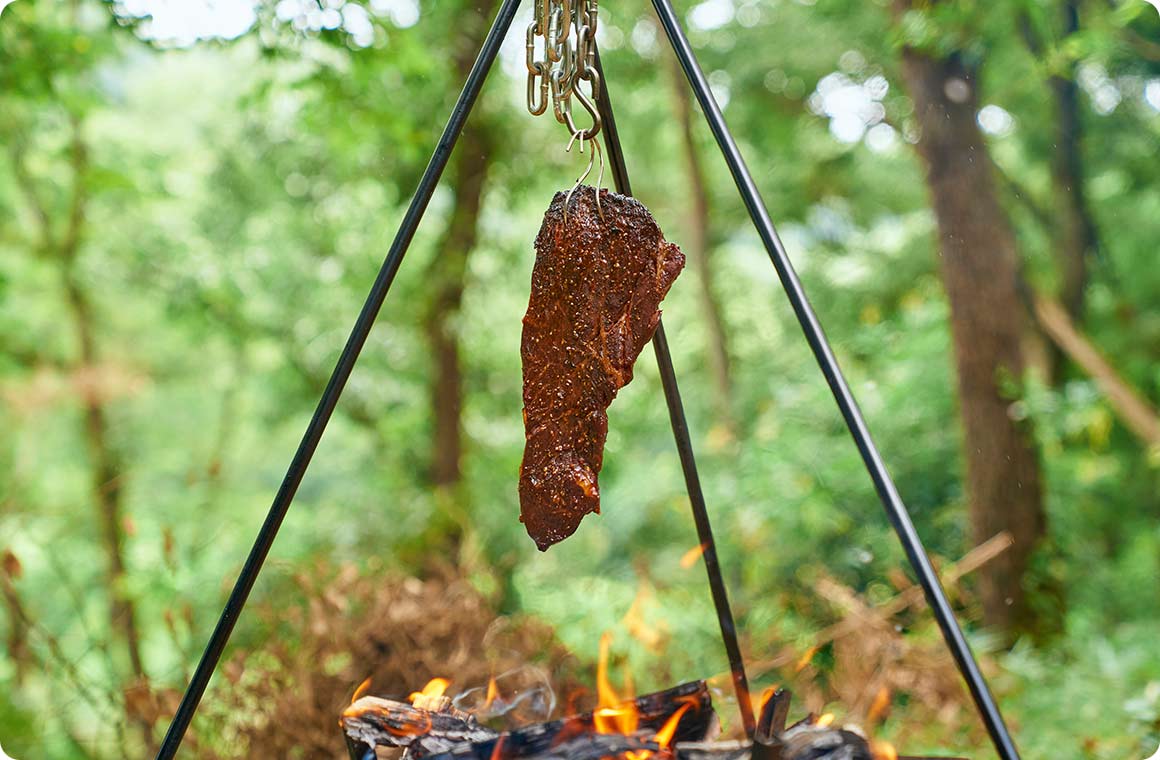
[596,286]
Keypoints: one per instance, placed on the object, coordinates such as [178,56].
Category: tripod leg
[334,388]
[684,442]
[891,501]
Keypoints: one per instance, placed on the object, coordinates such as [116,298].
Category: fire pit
[679,723]
[675,724]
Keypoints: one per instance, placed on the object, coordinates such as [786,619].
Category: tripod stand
[891,501]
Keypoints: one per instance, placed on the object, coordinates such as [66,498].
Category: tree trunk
[448,270]
[979,270]
[697,248]
[1076,236]
[446,277]
[106,478]
[1070,224]
[104,464]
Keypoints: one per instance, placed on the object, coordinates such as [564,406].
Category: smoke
[520,696]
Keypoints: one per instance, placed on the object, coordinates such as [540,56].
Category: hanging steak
[596,286]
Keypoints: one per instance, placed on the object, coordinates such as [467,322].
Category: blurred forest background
[195,197]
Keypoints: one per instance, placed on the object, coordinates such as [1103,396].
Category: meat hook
[579,134]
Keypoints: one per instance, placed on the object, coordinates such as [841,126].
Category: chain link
[561,53]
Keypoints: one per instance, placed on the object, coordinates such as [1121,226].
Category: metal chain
[565,32]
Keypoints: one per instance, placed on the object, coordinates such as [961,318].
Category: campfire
[675,724]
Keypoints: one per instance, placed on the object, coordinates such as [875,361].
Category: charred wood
[576,737]
[804,741]
[774,715]
[808,742]
[372,721]
[449,734]
[542,743]
[713,750]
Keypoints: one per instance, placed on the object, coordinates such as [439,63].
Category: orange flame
[883,750]
[759,701]
[689,558]
[434,688]
[492,692]
[617,713]
[665,735]
[805,660]
[621,719]
[879,706]
[825,720]
[653,635]
[497,750]
[614,714]
[360,690]
[605,694]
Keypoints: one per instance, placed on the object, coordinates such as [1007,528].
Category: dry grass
[283,699]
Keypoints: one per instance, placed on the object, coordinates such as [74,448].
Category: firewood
[541,743]
[774,715]
[576,738]
[811,742]
[439,703]
[371,722]
[713,750]
[802,742]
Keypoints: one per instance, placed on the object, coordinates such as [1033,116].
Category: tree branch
[971,561]
[1132,409]
[28,189]
[1143,46]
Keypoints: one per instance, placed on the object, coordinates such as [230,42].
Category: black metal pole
[891,501]
[346,361]
[684,443]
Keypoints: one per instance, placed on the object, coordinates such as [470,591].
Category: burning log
[713,750]
[814,742]
[373,722]
[799,743]
[675,724]
[811,738]
[774,714]
[803,742]
[539,742]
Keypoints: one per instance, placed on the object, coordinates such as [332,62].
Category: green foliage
[240,197]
